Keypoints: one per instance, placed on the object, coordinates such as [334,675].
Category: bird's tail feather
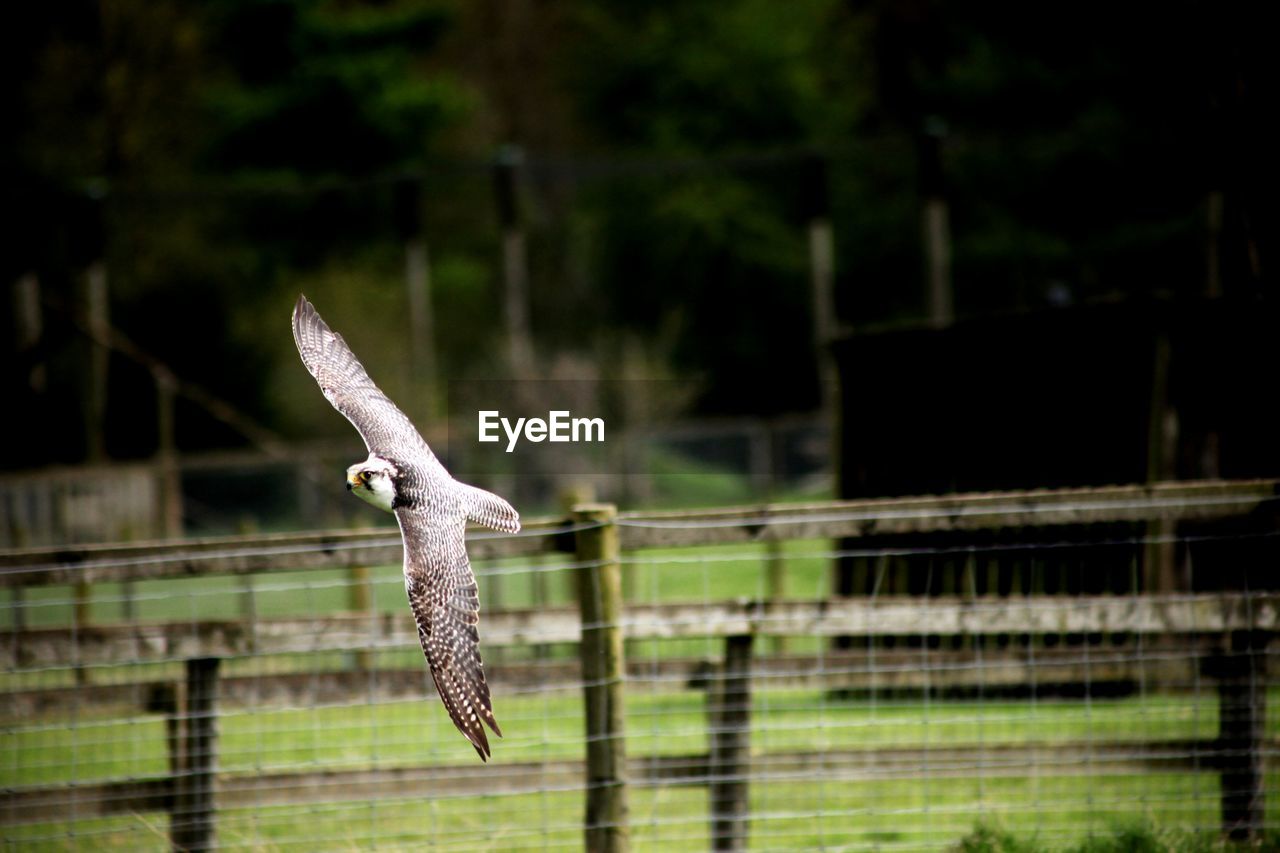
[490,510]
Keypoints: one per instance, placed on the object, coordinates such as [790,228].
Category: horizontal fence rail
[992,669]
[1081,758]
[263,554]
[768,707]
[884,617]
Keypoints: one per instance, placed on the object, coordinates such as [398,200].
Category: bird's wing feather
[442,594]
[385,429]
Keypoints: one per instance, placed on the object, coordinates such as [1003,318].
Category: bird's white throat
[372,482]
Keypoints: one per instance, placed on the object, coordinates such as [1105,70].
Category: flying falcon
[403,476]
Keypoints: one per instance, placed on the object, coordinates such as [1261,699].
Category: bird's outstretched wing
[442,593]
[385,429]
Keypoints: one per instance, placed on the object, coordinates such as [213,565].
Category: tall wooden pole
[417,272]
[422,343]
[29,330]
[1159,559]
[1215,207]
[98,316]
[97,313]
[821,273]
[826,328]
[936,223]
[515,264]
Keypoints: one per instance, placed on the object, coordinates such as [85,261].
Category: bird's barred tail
[490,510]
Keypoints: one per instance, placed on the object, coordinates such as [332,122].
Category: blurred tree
[197,125]
[313,90]
[704,246]
[1080,151]
[104,95]
[248,149]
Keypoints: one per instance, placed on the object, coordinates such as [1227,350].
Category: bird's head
[374,481]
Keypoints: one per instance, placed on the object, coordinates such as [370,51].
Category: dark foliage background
[223,156]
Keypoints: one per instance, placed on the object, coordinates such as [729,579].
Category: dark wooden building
[1123,392]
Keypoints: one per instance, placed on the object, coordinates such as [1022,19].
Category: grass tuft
[1138,837]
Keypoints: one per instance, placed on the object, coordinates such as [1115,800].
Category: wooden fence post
[164,698]
[1242,694]
[360,600]
[776,585]
[603,673]
[82,618]
[192,819]
[729,715]
[167,454]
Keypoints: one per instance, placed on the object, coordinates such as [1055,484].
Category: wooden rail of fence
[1230,630]
[959,671]
[888,616]
[263,554]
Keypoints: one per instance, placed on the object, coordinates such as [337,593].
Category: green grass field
[923,811]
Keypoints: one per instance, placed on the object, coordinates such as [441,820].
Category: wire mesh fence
[848,675]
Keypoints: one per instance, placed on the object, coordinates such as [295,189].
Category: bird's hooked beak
[353,480]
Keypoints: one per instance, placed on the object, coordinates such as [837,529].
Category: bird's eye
[365,476]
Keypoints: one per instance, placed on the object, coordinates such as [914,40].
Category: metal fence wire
[848,675]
